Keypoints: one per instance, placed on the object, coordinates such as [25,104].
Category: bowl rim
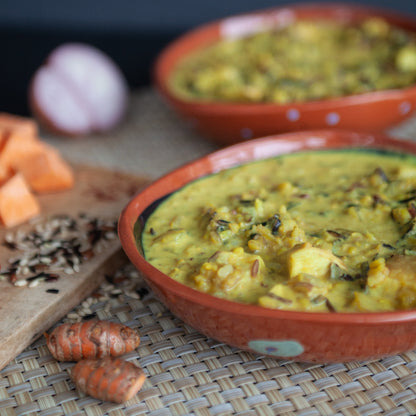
[287,143]
[161,75]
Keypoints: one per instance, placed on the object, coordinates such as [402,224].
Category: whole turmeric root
[91,339]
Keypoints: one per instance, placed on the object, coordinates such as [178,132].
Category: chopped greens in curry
[304,60]
[315,231]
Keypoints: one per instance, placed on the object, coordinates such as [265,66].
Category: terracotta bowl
[228,123]
[303,336]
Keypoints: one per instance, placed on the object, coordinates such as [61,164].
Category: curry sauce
[313,231]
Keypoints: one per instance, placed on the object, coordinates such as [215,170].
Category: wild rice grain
[34,283]
[255,268]
[60,243]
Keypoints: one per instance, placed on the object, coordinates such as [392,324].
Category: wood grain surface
[26,312]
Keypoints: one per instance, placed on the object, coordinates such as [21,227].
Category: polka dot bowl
[301,336]
[228,123]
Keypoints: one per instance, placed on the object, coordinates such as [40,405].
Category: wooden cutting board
[27,312]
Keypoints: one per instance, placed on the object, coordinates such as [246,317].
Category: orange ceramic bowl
[228,123]
[303,336]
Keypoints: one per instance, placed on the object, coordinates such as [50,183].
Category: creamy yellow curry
[304,60]
[317,231]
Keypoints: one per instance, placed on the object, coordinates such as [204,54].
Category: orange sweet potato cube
[23,125]
[45,170]
[16,145]
[17,202]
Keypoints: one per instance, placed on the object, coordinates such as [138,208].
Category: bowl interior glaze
[228,123]
[304,336]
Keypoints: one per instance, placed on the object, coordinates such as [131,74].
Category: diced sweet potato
[4,175]
[17,203]
[27,164]
[4,134]
[45,170]
[5,172]
[17,145]
[23,125]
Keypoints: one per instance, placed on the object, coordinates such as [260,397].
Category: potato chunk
[307,259]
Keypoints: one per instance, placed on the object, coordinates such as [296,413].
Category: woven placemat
[190,374]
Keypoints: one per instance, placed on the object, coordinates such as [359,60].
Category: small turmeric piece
[108,379]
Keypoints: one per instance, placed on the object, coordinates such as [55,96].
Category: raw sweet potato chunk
[27,164]
[16,146]
[45,170]
[23,125]
[17,203]
[4,134]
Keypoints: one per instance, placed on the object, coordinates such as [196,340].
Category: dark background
[132,32]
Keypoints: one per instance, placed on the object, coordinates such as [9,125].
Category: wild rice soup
[305,60]
[315,231]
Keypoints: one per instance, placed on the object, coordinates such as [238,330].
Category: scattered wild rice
[125,285]
[59,244]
